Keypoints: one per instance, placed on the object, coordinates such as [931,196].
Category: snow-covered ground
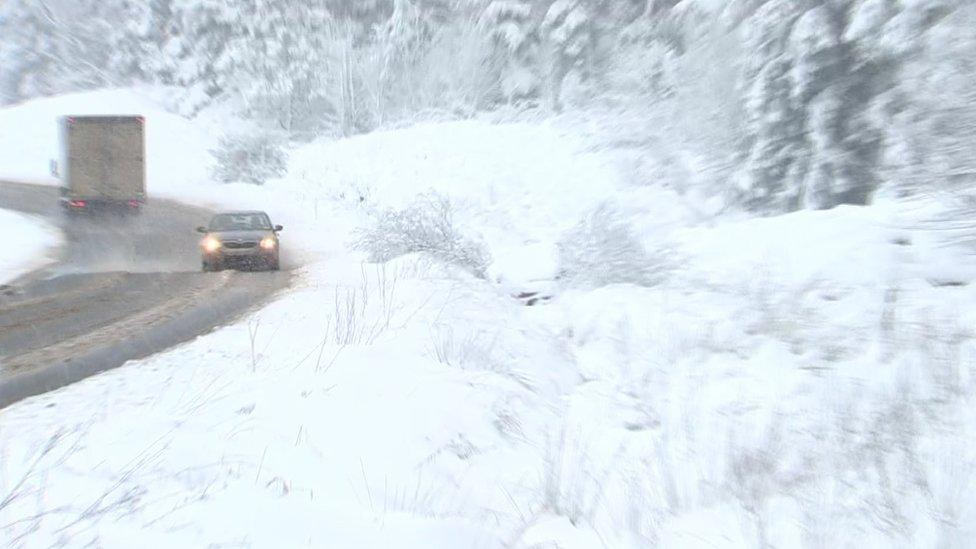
[29,244]
[804,379]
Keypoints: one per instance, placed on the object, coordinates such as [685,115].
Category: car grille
[239,245]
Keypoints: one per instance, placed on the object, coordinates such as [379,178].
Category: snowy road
[122,289]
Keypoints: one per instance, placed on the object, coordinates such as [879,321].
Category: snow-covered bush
[426,226]
[602,249]
[249,159]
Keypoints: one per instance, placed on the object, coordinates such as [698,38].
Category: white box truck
[103,163]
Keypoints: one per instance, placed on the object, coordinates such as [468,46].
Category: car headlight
[268,243]
[211,244]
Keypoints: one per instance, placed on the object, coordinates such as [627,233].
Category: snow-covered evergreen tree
[209,32]
[777,156]
[26,52]
[278,59]
[812,141]
[515,32]
[831,89]
[569,37]
[152,41]
[59,45]
[401,43]
[925,104]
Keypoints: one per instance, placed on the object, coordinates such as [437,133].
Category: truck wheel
[274,265]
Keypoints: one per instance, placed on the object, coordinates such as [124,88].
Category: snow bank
[356,411]
[32,245]
[851,246]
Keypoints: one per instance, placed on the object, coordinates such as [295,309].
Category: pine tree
[154,41]
[362,16]
[817,79]
[31,51]
[12,59]
[822,148]
[278,59]
[516,38]
[776,157]
[570,37]
[925,49]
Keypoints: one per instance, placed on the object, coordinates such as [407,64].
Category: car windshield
[240,222]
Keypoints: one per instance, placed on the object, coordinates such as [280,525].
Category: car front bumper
[245,256]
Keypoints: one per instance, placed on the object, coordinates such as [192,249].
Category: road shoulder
[34,245]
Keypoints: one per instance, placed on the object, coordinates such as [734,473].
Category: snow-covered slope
[29,244]
[802,379]
[516,186]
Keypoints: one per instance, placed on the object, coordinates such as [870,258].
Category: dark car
[241,239]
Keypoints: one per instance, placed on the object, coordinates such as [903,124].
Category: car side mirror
[201,229]
[278,228]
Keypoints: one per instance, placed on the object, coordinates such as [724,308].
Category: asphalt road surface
[124,287]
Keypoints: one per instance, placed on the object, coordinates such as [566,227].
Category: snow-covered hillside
[800,379]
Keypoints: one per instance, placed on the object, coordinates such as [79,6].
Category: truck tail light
[78,203]
[133,203]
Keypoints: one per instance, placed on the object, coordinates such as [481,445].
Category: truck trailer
[103,163]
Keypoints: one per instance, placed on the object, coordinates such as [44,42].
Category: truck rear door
[106,157]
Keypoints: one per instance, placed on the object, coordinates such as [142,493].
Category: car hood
[241,235]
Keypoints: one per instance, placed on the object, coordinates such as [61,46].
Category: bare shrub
[250,159]
[426,226]
[603,250]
